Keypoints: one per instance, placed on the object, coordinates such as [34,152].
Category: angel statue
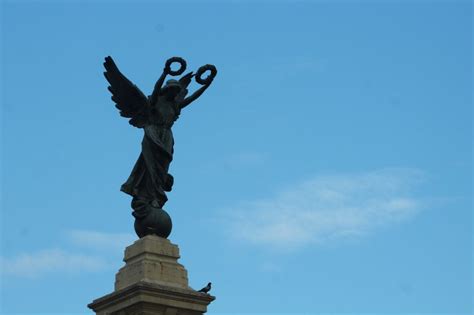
[156,114]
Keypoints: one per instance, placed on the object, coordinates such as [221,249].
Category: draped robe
[149,178]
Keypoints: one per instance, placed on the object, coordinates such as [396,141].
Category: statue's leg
[140,207]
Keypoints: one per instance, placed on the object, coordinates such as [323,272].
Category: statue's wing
[128,98]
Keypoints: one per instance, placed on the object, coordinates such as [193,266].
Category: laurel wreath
[209,78]
[179,60]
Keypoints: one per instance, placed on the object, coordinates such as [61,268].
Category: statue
[156,114]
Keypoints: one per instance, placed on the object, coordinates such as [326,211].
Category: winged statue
[150,179]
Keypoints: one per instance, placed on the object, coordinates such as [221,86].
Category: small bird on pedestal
[206,289]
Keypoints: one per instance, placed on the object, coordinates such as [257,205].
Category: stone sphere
[157,222]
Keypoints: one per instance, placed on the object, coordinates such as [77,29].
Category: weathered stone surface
[152,259]
[152,282]
[145,298]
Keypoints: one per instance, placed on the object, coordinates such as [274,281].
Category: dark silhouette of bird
[206,289]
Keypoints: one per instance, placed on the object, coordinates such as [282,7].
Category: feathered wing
[128,98]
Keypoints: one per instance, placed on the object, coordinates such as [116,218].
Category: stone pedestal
[152,282]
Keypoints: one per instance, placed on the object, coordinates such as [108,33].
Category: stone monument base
[152,282]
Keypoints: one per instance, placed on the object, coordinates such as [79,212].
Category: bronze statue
[156,114]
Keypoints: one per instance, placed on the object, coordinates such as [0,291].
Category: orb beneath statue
[157,222]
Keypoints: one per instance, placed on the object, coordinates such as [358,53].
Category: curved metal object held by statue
[209,78]
[179,60]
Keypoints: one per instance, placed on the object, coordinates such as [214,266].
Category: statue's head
[171,89]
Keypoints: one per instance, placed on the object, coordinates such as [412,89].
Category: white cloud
[328,208]
[50,260]
[57,260]
[101,240]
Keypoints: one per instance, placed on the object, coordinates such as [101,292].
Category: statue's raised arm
[204,82]
[167,70]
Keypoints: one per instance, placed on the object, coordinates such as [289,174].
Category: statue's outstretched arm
[205,83]
[188,100]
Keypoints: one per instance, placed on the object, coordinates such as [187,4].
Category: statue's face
[173,92]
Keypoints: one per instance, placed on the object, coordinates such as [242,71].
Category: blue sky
[328,169]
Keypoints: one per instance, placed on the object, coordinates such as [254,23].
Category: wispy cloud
[50,260]
[328,208]
[100,240]
[77,260]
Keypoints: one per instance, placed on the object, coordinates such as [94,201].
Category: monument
[152,281]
